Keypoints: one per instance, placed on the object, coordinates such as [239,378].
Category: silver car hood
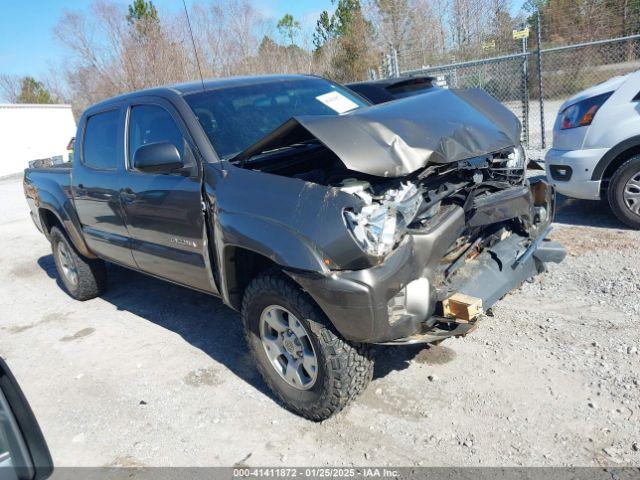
[397,138]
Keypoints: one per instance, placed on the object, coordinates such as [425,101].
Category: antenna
[193,42]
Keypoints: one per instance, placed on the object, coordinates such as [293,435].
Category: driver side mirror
[24,454]
[161,157]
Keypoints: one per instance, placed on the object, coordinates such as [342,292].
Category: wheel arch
[48,220]
[250,245]
[52,214]
[613,159]
[240,266]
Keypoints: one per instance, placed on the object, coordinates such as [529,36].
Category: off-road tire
[344,369]
[91,273]
[615,192]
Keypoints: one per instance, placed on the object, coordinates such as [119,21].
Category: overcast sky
[27,46]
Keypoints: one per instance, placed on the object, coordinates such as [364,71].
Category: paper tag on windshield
[336,101]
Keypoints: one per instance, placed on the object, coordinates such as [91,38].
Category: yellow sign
[520,34]
[489,45]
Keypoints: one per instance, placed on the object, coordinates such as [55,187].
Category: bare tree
[393,21]
[228,34]
[110,54]
[500,25]
[55,82]
[429,36]
[10,86]
[112,51]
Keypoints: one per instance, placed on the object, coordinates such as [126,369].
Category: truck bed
[58,176]
[61,167]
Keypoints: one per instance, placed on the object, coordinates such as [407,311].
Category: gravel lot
[154,374]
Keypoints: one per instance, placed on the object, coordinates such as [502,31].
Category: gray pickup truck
[331,224]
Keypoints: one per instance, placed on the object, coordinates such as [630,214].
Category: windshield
[236,117]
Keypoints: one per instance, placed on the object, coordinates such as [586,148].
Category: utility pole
[396,67]
[525,89]
[540,91]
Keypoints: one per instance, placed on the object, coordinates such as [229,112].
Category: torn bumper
[398,299]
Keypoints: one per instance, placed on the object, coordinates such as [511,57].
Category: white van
[596,146]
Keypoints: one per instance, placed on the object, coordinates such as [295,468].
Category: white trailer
[31,132]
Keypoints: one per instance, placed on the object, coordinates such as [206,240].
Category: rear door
[163,211]
[96,183]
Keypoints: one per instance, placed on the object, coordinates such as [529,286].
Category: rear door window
[100,141]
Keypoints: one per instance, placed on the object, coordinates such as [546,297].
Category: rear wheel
[624,192]
[300,355]
[82,277]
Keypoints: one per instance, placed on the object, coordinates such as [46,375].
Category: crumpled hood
[397,138]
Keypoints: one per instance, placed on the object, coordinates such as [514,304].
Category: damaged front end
[443,235]
[450,247]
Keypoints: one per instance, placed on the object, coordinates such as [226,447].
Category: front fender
[298,224]
[273,240]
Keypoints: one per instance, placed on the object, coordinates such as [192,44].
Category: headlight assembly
[581,114]
[517,159]
[381,224]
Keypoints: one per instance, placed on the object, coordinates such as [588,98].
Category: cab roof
[186,88]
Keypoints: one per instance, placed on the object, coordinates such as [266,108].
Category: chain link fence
[534,84]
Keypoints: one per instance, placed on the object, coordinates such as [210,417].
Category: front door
[163,211]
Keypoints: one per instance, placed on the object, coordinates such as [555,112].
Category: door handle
[127,195]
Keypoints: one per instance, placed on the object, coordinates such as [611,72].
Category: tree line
[114,49]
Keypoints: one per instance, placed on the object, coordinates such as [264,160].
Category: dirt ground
[154,374]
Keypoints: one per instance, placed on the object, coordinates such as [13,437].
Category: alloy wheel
[288,347]
[67,264]
[631,194]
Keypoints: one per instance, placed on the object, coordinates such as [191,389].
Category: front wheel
[624,192]
[305,362]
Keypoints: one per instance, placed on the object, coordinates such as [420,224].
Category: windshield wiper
[231,156]
[271,151]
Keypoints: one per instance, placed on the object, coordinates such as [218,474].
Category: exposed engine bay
[394,206]
[404,161]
